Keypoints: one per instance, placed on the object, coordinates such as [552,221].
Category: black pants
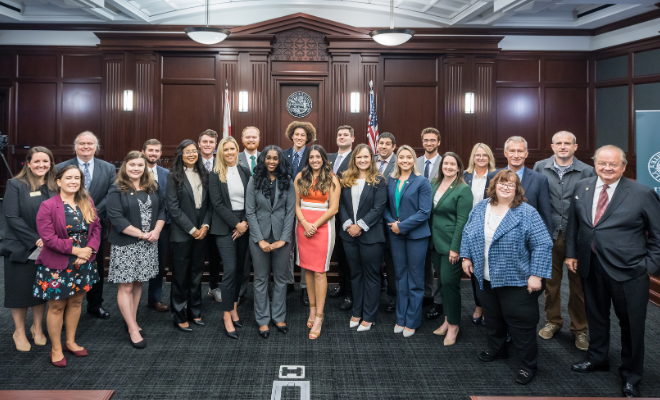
[187,271]
[475,290]
[512,309]
[155,292]
[342,264]
[233,254]
[364,262]
[630,300]
[95,294]
[213,256]
[390,273]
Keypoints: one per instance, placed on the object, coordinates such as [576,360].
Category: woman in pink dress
[317,202]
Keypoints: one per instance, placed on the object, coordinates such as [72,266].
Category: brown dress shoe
[159,306]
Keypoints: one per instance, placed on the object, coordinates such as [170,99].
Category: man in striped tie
[613,242]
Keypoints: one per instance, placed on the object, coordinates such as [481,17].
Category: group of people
[389,219]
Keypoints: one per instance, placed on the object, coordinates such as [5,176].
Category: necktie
[426,169]
[88,177]
[296,164]
[337,163]
[252,165]
[603,201]
[207,164]
[153,175]
[382,162]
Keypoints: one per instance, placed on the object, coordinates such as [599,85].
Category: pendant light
[206,34]
[392,37]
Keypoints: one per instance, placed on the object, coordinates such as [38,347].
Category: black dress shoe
[489,355]
[588,366]
[142,332]
[347,304]
[477,321]
[264,334]
[524,377]
[630,390]
[139,345]
[283,329]
[509,340]
[181,328]
[196,322]
[304,298]
[231,334]
[336,292]
[98,312]
[434,312]
[391,307]
[237,323]
[427,301]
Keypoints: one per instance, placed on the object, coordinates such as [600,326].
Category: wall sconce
[355,102]
[243,101]
[128,100]
[469,103]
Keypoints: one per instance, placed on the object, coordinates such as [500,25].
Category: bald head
[610,162]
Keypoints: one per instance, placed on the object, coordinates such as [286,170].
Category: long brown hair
[506,175]
[350,176]
[26,176]
[81,197]
[459,164]
[124,183]
[324,183]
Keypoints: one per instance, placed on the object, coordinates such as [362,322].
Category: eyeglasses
[510,186]
[429,140]
[189,152]
[611,165]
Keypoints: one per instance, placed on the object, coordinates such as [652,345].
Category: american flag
[226,120]
[372,128]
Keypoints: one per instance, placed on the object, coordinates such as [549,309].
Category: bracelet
[141,234]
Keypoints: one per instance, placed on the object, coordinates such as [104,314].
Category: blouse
[478,187]
[196,183]
[490,226]
[235,188]
[397,194]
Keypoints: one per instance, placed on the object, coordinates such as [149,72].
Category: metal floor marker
[290,372]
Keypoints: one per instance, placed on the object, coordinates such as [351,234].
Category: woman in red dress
[317,202]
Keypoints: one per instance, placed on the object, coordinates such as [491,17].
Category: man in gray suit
[385,161]
[99,176]
[429,164]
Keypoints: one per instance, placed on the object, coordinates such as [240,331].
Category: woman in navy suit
[407,214]
[363,199]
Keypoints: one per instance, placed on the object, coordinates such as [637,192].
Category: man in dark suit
[99,176]
[385,162]
[537,189]
[339,161]
[613,242]
[152,149]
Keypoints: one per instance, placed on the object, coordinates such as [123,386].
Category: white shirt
[90,167]
[598,189]
[235,188]
[478,187]
[356,192]
[155,172]
[196,184]
[490,226]
[437,196]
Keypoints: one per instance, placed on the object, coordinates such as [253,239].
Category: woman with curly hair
[317,202]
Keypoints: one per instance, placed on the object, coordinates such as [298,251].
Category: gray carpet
[341,364]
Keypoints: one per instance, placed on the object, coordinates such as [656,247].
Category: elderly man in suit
[339,161]
[385,162]
[613,242]
[153,150]
[429,164]
[99,176]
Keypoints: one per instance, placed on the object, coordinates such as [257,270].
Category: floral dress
[55,284]
[136,262]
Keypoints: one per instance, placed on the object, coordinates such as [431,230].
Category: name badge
[35,194]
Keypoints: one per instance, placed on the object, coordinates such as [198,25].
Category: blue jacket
[521,246]
[414,207]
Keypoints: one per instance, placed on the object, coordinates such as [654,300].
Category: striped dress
[314,253]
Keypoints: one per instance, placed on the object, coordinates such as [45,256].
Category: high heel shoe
[315,334]
[24,347]
[237,323]
[282,328]
[451,342]
[37,342]
[264,334]
[310,322]
[363,328]
[232,334]
[139,345]
[77,353]
[477,320]
[407,333]
[398,329]
[142,333]
[186,329]
[440,331]
[58,364]
[201,323]
[353,324]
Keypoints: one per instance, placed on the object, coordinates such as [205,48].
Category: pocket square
[576,197]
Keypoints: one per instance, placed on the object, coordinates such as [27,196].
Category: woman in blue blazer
[507,247]
[407,214]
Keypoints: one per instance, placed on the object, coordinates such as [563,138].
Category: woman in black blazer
[227,186]
[188,205]
[23,197]
[136,210]
[363,199]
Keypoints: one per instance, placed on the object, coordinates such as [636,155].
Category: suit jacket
[51,223]
[536,191]
[620,236]
[180,203]
[373,201]
[433,173]
[344,162]
[21,210]
[124,211]
[243,160]
[414,207]
[521,247]
[102,178]
[223,220]
[389,167]
[449,216]
[163,173]
[264,218]
[288,157]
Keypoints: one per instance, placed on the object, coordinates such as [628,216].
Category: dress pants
[475,290]
[431,290]
[512,309]
[553,292]
[247,271]
[277,262]
[213,257]
[344,269]
[155,292]
[390,272]
[630,300]
[233,254]
[187,271]
[364,262]
[95,294]
[449,284]
[408,255]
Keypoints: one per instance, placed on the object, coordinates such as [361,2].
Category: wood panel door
[316,116]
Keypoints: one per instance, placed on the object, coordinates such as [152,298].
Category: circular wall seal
[299,104]
[654,166]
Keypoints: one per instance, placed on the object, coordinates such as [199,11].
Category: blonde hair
[350,176]
[396,172]
[491,158]
[220,166]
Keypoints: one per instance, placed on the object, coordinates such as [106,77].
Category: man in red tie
[607,244]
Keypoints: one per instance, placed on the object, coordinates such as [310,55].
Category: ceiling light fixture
[392,37]
[206,34]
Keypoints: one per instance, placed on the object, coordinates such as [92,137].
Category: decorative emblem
[299,104]
[654,166]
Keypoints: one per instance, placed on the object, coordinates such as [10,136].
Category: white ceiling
[359,13]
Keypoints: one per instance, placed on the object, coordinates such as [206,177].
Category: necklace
[497,216]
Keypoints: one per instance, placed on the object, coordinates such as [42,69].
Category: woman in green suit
[452,202]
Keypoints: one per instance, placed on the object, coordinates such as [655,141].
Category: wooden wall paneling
[113,124]
[315,87]
[81,110]
[228,76]
[484,107]
[82,66]
[517,115]
[566,109]
[8,65]
[37,66]
[566,71]
[357,120]
[454,69]
[259,95]
[177,66]
[36,114]
[518,70]
[339,107]
[144,91]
